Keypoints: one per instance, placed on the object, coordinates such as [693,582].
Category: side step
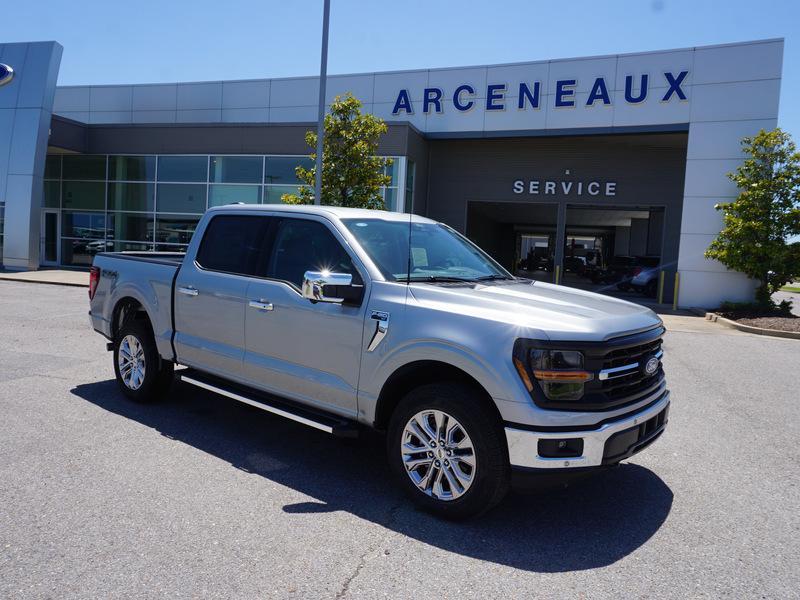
[328,423]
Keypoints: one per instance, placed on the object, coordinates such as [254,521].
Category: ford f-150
[344,318]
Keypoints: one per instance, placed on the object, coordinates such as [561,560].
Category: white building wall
[725,83]
[735,94]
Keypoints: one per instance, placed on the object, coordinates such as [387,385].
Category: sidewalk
[53,276]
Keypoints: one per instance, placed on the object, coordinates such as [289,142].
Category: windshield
[437,252]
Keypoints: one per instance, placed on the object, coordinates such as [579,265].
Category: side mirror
[318,284]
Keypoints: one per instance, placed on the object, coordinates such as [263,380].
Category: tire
[623,287]
[135,338]
[651,289]
[476,488]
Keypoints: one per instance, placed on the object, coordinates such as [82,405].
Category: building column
[26,104]
[561,241]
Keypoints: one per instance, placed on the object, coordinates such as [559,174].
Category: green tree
[766,213]
[352,175]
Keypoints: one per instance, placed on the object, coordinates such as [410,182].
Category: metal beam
[323,75]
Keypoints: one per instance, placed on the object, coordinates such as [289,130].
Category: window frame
[390,277]
[264,251]
[358,276]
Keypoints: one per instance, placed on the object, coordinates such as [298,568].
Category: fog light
[563,448]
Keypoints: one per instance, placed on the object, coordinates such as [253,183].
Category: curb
[714,317]
[26,280]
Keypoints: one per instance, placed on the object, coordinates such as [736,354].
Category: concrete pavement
[203,497]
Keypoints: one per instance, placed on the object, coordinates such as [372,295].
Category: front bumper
[608,444]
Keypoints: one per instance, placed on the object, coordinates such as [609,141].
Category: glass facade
[139,203]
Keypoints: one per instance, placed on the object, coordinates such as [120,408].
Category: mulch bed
[779,323]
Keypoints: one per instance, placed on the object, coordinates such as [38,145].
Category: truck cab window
[302,245]
[233,244]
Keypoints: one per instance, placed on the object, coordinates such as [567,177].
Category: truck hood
[555,311]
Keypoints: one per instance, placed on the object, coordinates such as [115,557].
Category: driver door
[310,352]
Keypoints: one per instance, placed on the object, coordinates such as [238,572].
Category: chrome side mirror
[315,282]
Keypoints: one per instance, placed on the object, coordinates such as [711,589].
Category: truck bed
[147,278]
[168,258]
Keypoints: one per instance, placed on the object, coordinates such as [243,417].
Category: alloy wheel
[438,455]
[131,362]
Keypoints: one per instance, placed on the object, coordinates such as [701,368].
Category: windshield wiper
[493,278]
[441,279]
[451,279]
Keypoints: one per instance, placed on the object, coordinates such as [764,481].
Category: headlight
[559,373]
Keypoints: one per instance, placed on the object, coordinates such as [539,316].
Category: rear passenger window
[302,245]
[233,244]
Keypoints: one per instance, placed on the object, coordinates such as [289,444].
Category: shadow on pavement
[590,524]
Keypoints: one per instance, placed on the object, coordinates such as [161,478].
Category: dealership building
[558,168]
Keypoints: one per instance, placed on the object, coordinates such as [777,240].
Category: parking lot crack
[372,550]
[361,564]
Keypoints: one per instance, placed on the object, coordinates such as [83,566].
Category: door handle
[188,291]
[261,305]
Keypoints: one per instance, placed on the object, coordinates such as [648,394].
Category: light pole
[323,75]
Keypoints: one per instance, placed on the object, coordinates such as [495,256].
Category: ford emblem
[6,74]
[651,366]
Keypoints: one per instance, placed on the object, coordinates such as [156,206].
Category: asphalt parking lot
[203,497]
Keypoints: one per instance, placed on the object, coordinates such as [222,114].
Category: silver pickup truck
[341,319]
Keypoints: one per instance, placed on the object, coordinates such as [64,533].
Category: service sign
[6,74]
[565,187]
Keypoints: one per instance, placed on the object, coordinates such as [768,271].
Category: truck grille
[625,373]
[619,368]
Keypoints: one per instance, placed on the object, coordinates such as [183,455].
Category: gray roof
[336,212]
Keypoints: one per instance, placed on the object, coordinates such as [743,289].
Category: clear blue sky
[180,40]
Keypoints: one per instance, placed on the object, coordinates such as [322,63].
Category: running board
[318,420]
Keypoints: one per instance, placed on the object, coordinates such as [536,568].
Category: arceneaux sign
[530,94]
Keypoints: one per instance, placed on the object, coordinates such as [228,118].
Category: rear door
[307,351]
[210,294]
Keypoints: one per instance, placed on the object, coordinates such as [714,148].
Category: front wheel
[447,449]
[141,373]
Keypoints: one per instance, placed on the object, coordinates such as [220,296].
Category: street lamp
[323,74]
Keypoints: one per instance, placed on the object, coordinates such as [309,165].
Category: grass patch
[788,288]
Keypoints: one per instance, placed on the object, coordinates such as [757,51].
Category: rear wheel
[447,450]
[651,289]
[141,373]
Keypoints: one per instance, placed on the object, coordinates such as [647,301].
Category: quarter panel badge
[381,319]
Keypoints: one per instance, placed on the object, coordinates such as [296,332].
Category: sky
[179,40]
